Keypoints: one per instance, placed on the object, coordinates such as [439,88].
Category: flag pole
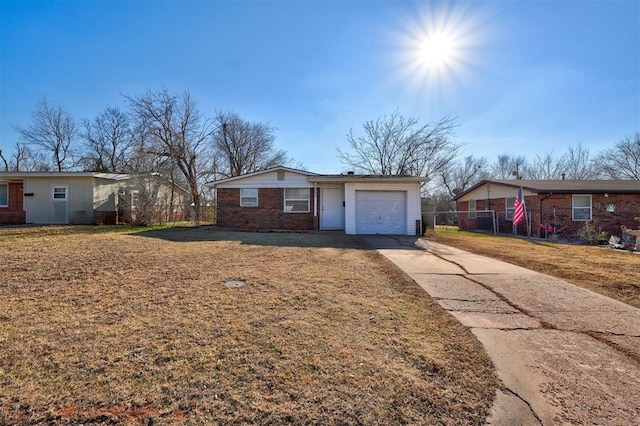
[519,211]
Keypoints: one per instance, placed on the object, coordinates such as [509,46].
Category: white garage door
[381,212]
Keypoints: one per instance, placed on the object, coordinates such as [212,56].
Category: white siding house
[78,198]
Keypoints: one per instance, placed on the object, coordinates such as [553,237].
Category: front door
[332,209]
[60,213]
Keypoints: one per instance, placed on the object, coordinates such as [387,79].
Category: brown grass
[109,327]
[613,273]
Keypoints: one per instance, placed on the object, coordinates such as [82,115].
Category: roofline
[102,175]
[212,184]
[5,176]
[528,185]
[369,178]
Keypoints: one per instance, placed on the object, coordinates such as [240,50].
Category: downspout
[315,206]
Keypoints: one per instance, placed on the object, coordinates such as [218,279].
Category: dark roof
[566,186]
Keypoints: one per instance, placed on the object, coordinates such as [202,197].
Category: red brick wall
[14,213]
[626,208]
[541,208]
[268,215]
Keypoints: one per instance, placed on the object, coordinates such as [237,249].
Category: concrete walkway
[565,355]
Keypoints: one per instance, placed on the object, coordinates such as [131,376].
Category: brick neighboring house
[82,197]
[561,206]
[290,199]
[11,204]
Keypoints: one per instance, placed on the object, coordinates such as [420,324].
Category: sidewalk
[565,355]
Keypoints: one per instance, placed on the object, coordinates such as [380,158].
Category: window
[581,207]
[510,207]
[296,200]
[135,199]
[472,209]
[60,193]
[4,195]
[249,197]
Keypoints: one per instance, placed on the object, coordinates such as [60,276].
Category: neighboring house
[152,198]
[285,198]
[73,197]
[561,206]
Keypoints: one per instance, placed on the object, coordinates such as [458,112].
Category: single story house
[285,198]
[77,197]
[552,206]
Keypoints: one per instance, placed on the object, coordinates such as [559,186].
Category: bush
[590,235]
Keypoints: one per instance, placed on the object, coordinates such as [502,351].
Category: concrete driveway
[565,355]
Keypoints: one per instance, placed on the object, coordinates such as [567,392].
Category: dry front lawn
[107,326]
[613,273]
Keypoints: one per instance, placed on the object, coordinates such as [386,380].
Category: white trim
[413,202]
[326,210]
[573,207]
[22,175]
[284,208]
[242,197]
[509,208]
[258,173]
[66,192]
[472,211]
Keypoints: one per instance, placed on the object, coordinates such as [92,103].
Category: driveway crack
[533,412]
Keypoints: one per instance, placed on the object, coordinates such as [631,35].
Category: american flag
[518,214]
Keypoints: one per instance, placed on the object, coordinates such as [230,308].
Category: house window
[4,195]
[581,207]
[509,207]
[60,193]
[472,209]
[296,200]
[135,199]
[249,197]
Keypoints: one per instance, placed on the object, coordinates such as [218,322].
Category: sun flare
[438,46]
[436,50]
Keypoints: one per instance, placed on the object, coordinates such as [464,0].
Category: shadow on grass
[258,238]
[332,239]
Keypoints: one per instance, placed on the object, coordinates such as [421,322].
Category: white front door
[331,208]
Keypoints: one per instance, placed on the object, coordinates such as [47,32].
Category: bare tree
[508,167]
[244,147]
[53,131]
[108,142]
[24,159]
[396,145]
[178,132]
[578,165]
[546,167]
[623,160]
[462,175]
[4,160]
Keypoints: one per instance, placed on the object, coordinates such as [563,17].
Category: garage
[381,212]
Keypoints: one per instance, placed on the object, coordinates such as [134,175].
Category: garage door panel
[381,212]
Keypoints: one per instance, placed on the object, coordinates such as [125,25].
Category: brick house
[561,206]
[285,198]
[78,197]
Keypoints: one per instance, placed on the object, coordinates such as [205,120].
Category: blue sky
[522,77]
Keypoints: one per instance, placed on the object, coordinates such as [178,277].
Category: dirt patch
[109,326]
